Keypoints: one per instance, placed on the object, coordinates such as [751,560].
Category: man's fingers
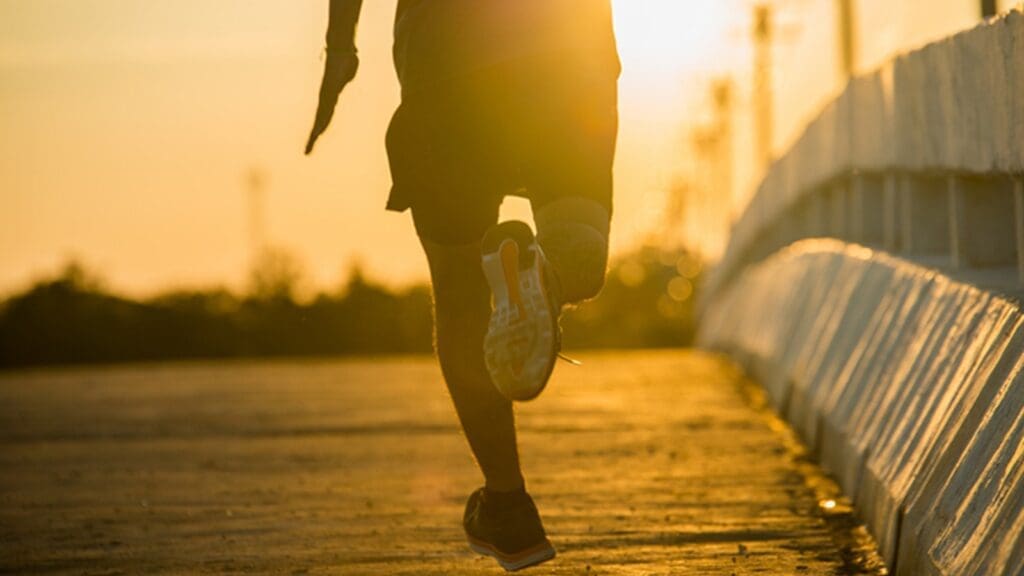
[314,134]
[336,75]
[324,114]
[312,140]
[318,128]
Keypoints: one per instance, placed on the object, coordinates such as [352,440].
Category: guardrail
[923,158]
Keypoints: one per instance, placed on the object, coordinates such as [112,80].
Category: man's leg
[500,520]
[461,312]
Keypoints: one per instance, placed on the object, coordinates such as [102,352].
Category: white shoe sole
[521,344]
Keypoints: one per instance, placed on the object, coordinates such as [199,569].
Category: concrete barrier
[906,384]
[922,157]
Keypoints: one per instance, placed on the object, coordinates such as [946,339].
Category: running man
[499,98]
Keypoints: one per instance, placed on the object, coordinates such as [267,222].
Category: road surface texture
[641,463]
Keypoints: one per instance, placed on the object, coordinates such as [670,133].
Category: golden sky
[127,127]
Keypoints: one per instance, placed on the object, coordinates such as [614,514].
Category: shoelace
[569,359]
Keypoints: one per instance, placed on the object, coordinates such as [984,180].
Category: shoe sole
[511,562]
[511,242]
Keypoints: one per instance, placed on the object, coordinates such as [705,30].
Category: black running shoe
[506,527]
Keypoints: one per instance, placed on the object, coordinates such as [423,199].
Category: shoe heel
[516,230]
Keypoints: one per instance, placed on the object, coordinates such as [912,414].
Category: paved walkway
[641,463]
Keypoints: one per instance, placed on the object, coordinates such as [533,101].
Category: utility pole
[724,199]
[256,191]
[722,93]
[988,8]
[702,205]
[847,39]
[763,101]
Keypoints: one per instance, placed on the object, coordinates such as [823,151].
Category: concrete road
[641,463]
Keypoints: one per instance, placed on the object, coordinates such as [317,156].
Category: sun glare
[671,36]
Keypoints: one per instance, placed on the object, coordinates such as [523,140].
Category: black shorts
[529,128]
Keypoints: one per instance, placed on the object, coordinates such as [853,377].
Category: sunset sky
[128,127]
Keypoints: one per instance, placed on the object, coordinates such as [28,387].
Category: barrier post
[1018,201]
[890,213]
[957,223]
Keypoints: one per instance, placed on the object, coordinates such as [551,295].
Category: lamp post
[847,38]
[763,83]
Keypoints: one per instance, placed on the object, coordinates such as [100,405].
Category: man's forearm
[341,30]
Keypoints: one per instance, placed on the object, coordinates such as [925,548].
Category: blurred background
[155,202]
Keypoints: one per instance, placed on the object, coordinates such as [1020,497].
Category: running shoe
[506,527]
[523,337]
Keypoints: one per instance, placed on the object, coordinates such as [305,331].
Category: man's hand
[339,69]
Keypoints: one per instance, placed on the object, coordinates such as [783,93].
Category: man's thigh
[449,219]
[446,170]
[564,131]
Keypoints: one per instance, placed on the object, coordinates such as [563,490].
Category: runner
[498,98]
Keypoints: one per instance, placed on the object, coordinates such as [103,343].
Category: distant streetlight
[256,184]
[763,35]
[847,39]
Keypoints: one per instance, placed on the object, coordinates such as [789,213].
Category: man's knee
[579,255]
[574,235]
